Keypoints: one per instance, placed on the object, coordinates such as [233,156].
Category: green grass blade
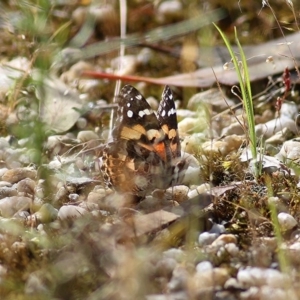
[247,98]
[245,87]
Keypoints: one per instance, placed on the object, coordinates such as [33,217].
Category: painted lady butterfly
[144,153]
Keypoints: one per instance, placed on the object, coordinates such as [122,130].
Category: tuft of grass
[241,68]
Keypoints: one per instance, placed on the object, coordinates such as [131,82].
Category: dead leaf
[59,105]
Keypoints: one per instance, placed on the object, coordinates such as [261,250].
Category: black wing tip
[167,90]
[127,88]
[167,93]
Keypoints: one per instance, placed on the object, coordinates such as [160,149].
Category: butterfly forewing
[167,118]
[135,118]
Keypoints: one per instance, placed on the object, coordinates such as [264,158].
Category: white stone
[290,150]
[203,188]
[204,266]
[87,135]
[253,276]
[271,127]
[206,238]
[217,228]
[209,278]
[265,293]
[10,205]
[67,212]
[177,254]
[286,221]
[232,249]
[169,10]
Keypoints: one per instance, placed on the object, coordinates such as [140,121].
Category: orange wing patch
[160,149]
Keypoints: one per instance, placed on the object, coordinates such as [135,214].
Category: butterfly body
[144,153]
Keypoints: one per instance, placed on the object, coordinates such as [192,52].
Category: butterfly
[145,152]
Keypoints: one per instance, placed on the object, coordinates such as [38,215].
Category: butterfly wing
[134,116]
[167,119]
[135,160]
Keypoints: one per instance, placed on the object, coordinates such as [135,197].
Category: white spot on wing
[128,104]
[144,112]
[171,112]
[163,113]
[130,114]
[139,97]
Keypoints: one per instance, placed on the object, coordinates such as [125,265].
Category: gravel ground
[222,233]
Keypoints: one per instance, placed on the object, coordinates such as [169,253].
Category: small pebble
[210,278]
[4,183]
[26,186]
[214,97]
[178,193]
[73,197]
[3,143]
[253,276]
[290,150]
[7,192]
[165,267]
[292,251]
[234,128]
[217,228]
[286,221]
[192,176]
[204,266]
[61,194]
[264,293]
[225,146]
[87,135]
[271,127]
[17,174]
[191,125]
[2,171]
[81,123]
[206,238]
[21,215]
[10,205]
[143,58]
[232,283]
[168,11]
[54,145]
[96,195]
[224,239]
[46,214]
[289,109]
[55,164]
[232,249]
[177,254]
[280,137]
[203,188]
[125,65]
[179,279]
[68,212]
